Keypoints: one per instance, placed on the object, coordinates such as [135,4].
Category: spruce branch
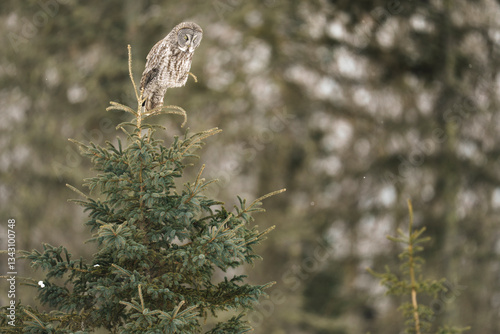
[37,320]
[194,76]
[134,306]
[178,308]
[199,137]
[140,295]
[220,227]
[122,107]
[138,97]
[122,270]
[245,210]
[166,110]
[198,186]
[77,191]
[141,299]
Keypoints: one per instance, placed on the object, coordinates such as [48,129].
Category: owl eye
[185,37]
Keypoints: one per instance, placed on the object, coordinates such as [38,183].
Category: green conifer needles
[158,246]
[411,283]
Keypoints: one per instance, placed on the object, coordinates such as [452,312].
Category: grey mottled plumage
[169,61]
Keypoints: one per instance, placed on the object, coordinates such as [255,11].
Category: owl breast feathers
[168,63]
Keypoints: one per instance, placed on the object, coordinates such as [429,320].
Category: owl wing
[148,76]
[152,81]
[153,63]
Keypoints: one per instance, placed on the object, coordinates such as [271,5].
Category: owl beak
[192,44]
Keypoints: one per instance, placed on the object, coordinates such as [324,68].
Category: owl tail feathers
[152,101]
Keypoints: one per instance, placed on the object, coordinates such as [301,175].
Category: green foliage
[158,247]
[410,282]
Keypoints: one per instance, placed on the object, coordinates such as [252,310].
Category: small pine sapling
[418,317]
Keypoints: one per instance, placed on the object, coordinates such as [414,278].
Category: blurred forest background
[353,106]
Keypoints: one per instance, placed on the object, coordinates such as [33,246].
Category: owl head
[189,36]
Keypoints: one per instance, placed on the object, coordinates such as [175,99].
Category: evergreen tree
[158,248]
[419,318]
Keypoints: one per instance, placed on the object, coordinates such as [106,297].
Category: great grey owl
[168,63]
